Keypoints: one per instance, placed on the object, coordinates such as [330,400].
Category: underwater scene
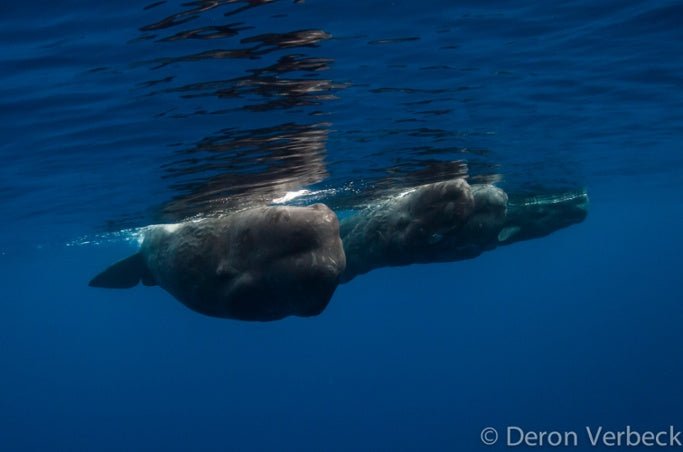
[276,225]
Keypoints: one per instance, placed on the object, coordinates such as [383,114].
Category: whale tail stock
[124,274]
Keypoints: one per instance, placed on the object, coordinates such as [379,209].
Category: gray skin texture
[260,264]
[271,262]
[449,221]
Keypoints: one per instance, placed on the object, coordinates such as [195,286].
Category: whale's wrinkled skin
[267,263]
[439,222]
[260,264]
[450,221]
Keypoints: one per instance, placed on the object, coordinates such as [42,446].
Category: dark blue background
[582,327]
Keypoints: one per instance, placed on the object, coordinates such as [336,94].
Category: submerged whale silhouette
[268,263]
[261,264]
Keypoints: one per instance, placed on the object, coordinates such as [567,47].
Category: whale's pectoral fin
[124,274]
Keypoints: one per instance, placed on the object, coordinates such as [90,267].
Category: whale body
[262,264]
[270,262]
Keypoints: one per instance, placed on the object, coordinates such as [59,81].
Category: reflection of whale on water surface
[240,169]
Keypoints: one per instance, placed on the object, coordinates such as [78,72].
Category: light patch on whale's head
[171,228]
[405,193]
[507,233]
[291,195]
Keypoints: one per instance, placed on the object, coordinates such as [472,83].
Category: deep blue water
[115,115]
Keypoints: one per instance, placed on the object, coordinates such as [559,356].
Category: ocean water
[115,115]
